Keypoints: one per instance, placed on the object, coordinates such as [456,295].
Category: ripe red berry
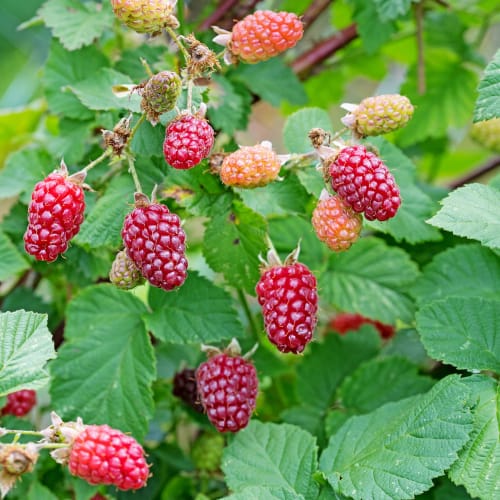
[185,388]
[250,166]
[364,182]
[335,223]
[102,455]
[265,34]
[227,386]
[344,322]
[155,241]
[289,299]
[55,214]
[19,403]
[188,140]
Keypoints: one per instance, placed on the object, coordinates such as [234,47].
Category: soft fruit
[207,451]
[124,273]
[188,140]
[185,388]
[227,386]
[155,241]
[344,322]
[19,403]
[364,182]
[264,34]
[336,223]
[160,94]
[144,16]
[55,214]
[487,133]
[250,166]
[103,455]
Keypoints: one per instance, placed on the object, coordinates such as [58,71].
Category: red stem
[314,11]
[475,174]
[308,60]
[217,14]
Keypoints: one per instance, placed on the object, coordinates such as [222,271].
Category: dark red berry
[155,241]
[185,388]
[345,322]
[55,214]
[102,455]
[227,386]
[364,182]
[19,403]
[188,140]
[289,299]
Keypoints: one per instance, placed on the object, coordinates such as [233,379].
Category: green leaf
[462,331]
[409,224]
[371,279]
[68,144]
[103,224]
[96,92]
[272,456]
[26,347]
[389,10]
[407,344]
[284,197]
[22,171]
[230,105]
[380,381]
[63,69]
[446,275]
[258,76]
[12,262]
[471,211]
[199,311]
[488,105]
[148,141]
[37,491]
[75,23]
[265,493]
[478,464]
[105,369]
[448,81]
[298,125]
[322,370]
[232,243]
[397,450]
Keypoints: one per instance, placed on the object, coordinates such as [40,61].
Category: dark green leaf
[12,262]
[389,10]
[148,140]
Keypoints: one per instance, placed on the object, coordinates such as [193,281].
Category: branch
[475,174]
[217,14]
[314,11]
[308,60]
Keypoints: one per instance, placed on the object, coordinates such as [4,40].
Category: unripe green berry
[487,133]
[124,274]
[207,451]
[160,94]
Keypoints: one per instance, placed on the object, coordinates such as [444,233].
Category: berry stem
[133,173]
[189,95]
[19,432]
[147,67]
[248,313]
[98,160]
[136,127]
[175,38]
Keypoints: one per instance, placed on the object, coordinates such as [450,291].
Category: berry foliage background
[215,177]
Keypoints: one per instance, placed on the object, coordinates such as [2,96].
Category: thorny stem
[478,172]
[175,38]
[419,21]
[189,95]
[217,14]
[314,11]
[98,160]
[251,320]
[133,173]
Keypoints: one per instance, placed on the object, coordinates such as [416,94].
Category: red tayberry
[19,403]
[103,455]
[227,386]
[364,182]
[336,223]
[289,299]
[155,241]
[344,322]
[55,214]
[188,140]
[184,387]
[265,34]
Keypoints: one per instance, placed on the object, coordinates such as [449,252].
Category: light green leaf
[488,102]
[471,211]
[199,311]
[478,464]
[75,23]
[148,141]
[105,369]
[397,450]
[265,493]
[409,224]
[232,243]
[446,275]
[68,143]
[257,77]
[63,69]
[12,262]
[37,491]
[96,92]
[103,224]
[371,279]
[298,125]
[389,10]
[26,347]
[464,332]
[380,381]
[272,456]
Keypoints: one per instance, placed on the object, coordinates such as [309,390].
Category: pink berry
[19,403]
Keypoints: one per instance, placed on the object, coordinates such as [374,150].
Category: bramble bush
[199,305]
